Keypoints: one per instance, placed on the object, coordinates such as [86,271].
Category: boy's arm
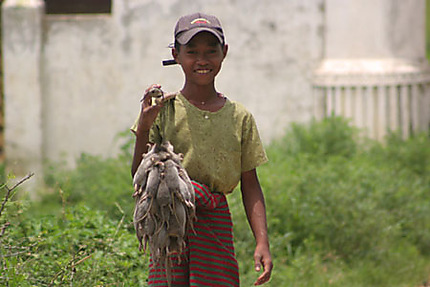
[140,147]
[147,117]
[253,201]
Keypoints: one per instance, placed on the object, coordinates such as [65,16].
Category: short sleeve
[253,153]
[133,128]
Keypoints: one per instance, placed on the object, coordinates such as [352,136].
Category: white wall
[79,81]
[374,70]
[375,29]
[72,83]
[21,43]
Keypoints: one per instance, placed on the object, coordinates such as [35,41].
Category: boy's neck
[202,94]
[204,98]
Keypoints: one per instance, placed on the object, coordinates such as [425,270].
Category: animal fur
[165,204]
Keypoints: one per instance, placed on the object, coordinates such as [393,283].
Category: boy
[221,146]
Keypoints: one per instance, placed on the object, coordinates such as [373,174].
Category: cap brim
[184,37]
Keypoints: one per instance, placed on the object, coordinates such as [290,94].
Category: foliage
[80,232]
[82,246]
[99,182]
[341,212]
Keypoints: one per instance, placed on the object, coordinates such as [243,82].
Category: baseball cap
[189,25]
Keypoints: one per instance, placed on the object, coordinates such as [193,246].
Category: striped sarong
[209,259]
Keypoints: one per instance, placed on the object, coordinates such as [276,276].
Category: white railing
[376,95]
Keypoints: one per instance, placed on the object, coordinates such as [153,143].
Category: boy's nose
[202,59]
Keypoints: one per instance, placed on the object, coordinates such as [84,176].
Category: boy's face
[201,58]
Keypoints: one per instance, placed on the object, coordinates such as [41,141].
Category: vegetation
[341,212]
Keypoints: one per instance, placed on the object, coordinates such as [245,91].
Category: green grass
[341,212]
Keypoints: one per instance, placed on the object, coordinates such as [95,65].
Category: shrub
[83,247]
[341,212]
[342,207]
[99,182]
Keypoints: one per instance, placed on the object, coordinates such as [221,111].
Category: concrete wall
[369,29]
[374,70]
[72,83]
[22,52]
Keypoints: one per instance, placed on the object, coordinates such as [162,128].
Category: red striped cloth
[209,259]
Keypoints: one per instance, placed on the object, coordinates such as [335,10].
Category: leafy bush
[341,212]
[83,246]
[101,183]
[354,212]
[331,136]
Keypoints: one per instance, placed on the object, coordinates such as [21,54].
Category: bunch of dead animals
[165,207]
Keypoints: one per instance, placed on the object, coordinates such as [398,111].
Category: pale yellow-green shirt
[217,146]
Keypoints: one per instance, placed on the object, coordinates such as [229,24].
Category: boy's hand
[253,201]
[262,257]
[148,111]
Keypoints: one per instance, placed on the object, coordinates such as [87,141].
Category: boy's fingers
[151,87]
[263,278]
[257,262]
[267,267]
[147,99]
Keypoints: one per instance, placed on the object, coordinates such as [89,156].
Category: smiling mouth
[202,72]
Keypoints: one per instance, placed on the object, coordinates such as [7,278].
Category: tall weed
[99,182]
[82,247]
[341,212]
[354,209]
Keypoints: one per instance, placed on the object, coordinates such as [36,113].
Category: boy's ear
[225,50]
[175,55]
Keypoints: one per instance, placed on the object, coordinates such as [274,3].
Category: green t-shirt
[217,146]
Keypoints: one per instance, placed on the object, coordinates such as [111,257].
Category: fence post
[382,69]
